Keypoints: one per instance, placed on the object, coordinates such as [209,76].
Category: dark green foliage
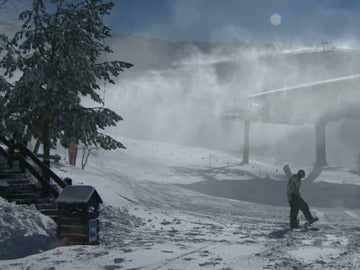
[55,60]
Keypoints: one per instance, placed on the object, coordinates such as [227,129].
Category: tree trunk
[46,148]
[36,147]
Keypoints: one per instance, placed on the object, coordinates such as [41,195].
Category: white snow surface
[149,221]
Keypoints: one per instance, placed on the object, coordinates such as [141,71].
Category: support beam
[320,129]
[246,150]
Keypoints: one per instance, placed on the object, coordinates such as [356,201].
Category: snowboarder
[296,202]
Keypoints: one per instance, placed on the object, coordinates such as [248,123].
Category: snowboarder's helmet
[301,173]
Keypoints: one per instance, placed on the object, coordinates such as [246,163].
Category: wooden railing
[27,160]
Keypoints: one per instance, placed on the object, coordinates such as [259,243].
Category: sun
[275,19]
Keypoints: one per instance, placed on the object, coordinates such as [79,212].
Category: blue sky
[308,21]
[299,21]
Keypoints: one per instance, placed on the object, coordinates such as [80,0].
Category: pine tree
[55,59]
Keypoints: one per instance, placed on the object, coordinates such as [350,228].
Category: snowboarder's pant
[297,204]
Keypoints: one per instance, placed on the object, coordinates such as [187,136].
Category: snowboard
[280,233]
[305,228]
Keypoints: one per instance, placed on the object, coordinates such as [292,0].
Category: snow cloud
[179,91]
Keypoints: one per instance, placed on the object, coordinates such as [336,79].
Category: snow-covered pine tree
[55,60]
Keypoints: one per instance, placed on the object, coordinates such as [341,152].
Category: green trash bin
[78,215]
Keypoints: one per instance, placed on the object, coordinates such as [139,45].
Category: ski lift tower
[316,103]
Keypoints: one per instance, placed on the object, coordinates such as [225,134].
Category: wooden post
[73,149]
[11,151]
[320,129]
[23,156]
[246,150]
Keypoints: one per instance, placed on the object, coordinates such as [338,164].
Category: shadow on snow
[272,191]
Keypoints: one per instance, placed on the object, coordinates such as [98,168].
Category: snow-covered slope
[149,221]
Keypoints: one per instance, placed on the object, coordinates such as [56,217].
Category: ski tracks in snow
[353,214]
[334,246]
